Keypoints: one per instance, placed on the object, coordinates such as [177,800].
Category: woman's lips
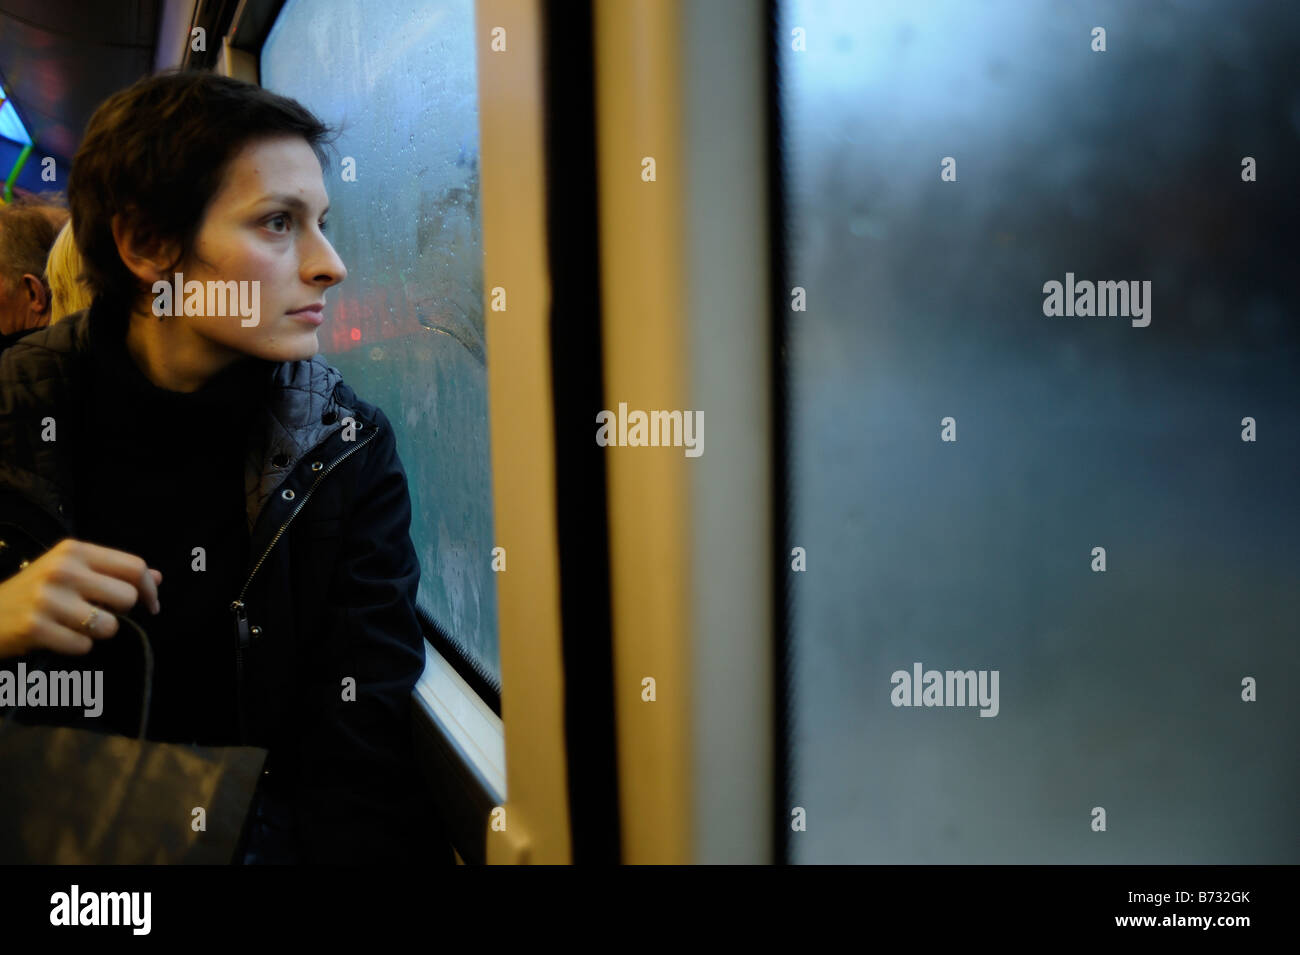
[315,314]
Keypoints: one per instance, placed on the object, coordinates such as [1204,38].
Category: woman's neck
[171,355]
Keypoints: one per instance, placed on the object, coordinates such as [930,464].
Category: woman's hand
[47,603]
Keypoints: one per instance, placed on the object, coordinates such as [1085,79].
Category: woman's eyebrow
[293,202]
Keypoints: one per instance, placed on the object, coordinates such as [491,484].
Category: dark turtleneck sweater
[159,473]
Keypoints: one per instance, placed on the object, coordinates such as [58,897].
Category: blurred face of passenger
[264,225]
[24,303]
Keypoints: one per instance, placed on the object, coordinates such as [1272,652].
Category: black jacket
[329,593]
[14,337]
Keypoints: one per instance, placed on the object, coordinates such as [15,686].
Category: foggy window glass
[406,327]
[1155,696]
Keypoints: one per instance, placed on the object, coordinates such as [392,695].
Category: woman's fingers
[61,639]
[66,598]
[118,579]
[80,616]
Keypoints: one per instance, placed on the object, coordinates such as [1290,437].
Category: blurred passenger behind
[68,293]
[27,232]
[52,205]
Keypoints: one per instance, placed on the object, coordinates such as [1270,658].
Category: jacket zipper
[237,606]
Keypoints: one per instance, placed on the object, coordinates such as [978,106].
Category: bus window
[1046,554]
[406,327]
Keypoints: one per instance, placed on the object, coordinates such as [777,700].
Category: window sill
[460,747]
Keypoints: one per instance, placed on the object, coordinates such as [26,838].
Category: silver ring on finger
[89,623]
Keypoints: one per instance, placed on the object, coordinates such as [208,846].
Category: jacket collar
[40,377]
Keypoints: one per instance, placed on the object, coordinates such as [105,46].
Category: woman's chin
[300,347]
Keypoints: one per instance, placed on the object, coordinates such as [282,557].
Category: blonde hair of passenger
[68,294]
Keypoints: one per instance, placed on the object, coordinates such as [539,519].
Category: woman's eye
[279,218]
[323,224]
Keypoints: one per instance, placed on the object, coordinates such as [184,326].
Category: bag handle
[146,695]
[146,692]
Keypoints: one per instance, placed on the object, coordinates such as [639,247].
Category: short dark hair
[155,153]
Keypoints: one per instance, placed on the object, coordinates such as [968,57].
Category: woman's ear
[148,258]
